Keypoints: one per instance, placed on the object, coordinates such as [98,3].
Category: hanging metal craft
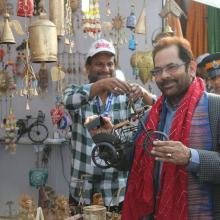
[56,9]
[69,32]
[29,80]
[140,27]
[118,32]
[142,63]
[118,22]
[171,7]
[131,19]
[7,35]
[43,40]
[43,78]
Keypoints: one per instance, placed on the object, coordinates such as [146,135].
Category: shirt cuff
[194,161]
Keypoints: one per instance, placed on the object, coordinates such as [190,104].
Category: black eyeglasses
[170,68]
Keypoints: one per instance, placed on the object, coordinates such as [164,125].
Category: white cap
[100,45]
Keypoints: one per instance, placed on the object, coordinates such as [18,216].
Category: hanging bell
[43,40]
[57,15]
[132,43]
[140,27]
[7,35]
[131,21]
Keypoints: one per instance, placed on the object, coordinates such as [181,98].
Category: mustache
[166,82]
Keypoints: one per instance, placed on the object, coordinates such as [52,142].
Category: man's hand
[114,85]
[106,125]
[171,151]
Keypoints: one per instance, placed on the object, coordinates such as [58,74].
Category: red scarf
[172,198]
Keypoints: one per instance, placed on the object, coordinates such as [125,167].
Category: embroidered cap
[212,64]
[200,59]
[100,45]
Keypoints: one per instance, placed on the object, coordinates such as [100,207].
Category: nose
[164,73]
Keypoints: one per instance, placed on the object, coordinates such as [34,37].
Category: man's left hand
[171,151]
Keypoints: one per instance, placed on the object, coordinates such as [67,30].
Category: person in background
[201,71]
[177,178]
[212,66]
[109,97]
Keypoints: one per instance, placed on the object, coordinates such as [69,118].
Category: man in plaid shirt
[107,96]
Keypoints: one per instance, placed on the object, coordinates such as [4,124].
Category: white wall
[14,168]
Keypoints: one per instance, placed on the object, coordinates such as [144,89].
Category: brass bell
[57,15]
[43,40]
[140,27]
[7,35]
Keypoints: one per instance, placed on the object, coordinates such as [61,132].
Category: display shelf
[48,141]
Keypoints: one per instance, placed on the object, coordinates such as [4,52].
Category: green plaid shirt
[107,181]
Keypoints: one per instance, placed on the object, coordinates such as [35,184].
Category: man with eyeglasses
[109,97]
[178,178]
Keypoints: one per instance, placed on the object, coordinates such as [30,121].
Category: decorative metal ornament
[57,15]
[43,40]
[140,27]
[131,21]
[142,63]
[132,43]
[7,35]
[171,7]
[118,22]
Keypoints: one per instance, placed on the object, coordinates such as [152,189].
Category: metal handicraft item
[57,15]
[113,150]
[7,36]
[142,63]
[43,40]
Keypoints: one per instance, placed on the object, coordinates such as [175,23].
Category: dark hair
[183,45]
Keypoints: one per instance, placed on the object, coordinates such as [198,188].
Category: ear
[86,67]
[192,68]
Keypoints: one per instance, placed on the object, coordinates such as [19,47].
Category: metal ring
[169,155]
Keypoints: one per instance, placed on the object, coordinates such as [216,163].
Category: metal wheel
[20,124]
[104,154]
[38,133]
[152,136]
